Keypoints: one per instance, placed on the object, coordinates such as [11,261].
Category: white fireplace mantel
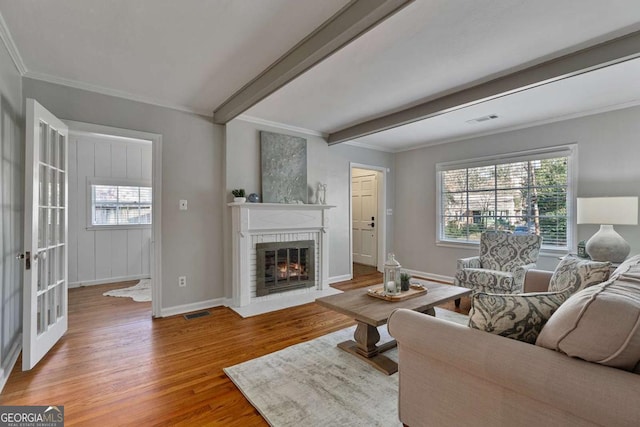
[254,219]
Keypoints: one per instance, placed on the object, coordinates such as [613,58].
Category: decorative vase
[239,199]
[607,245]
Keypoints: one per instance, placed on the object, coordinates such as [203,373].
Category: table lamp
[607,244]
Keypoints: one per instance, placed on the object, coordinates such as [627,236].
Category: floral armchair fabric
[502,265]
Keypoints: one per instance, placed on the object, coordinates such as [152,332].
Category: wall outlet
[182,281]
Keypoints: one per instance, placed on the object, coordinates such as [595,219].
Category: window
[521,193]
[120,205]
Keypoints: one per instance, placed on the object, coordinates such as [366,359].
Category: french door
[45,229]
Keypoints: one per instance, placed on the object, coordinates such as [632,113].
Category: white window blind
[520,194]
[116,205]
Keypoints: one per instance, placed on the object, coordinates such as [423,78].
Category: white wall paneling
[102,152]
[103,254]
[134,161]
[146,249]
[134,252]
[98,255]
[120,259]
[73,213]
[86,258]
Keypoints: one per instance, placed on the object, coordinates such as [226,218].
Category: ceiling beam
[353,20]
[608,53]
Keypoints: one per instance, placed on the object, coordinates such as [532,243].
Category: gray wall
[192,169]
[243,157]
[242,163]
[608,153]
[329,165]
[12,212]
[339,159]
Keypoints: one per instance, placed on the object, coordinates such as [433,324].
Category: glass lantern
[392,276]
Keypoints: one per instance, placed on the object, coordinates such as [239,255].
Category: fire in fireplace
[284,266]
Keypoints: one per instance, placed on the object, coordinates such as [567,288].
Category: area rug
[140,292]
[317,384]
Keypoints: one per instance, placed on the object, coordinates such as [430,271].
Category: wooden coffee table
[370,312]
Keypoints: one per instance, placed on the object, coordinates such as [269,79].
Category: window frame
[569,150]
[114,182]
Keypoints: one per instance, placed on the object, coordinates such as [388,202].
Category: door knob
[373,224]
[27,259]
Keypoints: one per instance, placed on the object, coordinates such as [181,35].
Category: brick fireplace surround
[254,223]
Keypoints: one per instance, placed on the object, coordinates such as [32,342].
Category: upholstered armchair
[502,264]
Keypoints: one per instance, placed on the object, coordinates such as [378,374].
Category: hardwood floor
[118,366]
[361,269]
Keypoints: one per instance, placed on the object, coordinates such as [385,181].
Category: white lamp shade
[608,210]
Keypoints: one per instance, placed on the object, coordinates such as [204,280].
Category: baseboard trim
[336,279]
[194,306]
[13,354]
[432,276]
[109,280]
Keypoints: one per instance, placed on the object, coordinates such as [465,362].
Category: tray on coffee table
[414,291]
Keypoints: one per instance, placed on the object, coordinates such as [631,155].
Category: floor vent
[196,314]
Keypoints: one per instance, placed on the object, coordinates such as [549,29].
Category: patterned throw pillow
[574,274]
[517,316]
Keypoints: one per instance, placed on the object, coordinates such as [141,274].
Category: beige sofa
[452,375]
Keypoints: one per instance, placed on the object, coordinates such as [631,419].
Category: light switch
[183,205]
[389,211]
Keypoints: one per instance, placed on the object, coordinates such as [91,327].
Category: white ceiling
[194,54]
[606,89]
[191,54]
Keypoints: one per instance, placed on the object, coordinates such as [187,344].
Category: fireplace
[284,266]
[256,223]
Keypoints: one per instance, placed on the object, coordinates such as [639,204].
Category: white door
[45,234]
[364,198]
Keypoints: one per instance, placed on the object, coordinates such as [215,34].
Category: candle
[391,286]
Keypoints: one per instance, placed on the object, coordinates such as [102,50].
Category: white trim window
[119,204]
[524,193]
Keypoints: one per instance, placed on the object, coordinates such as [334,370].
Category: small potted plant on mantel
[239,195]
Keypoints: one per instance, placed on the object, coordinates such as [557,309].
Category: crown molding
[263,122]
[562,118]
[5,35]
[369,146]
[112,92]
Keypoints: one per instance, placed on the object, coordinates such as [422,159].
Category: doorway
[134,163]
[368,220]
